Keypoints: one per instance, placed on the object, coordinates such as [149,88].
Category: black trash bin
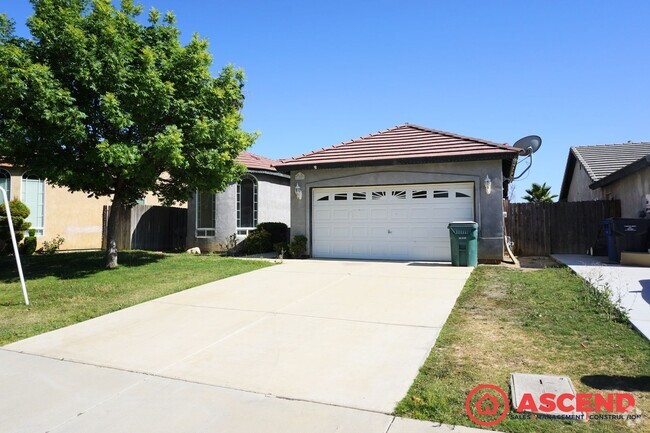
[627,234]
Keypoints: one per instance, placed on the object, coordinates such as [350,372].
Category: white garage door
[399,222]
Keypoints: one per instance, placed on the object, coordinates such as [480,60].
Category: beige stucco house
[57,212]
[609,172]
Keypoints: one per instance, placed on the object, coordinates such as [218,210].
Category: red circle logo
[491,405]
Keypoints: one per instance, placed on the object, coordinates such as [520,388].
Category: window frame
[8,188]
[206,232]
[245,230]
[40,231]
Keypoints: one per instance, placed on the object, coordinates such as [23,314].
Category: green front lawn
[540,322]
[71,287]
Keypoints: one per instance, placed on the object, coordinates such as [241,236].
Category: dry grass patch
[509,320]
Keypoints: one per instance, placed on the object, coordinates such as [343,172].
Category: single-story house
[262,195]
[391,194]
[56,211]
[609,172]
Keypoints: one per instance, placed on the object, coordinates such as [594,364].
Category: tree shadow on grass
[621,383]
[66,266]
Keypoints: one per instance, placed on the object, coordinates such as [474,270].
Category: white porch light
[297,190]
[488,185]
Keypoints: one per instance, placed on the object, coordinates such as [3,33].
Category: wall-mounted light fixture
[487,183]
[297,190]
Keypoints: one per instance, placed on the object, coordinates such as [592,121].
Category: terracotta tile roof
[402,143]
[257,162]
[602,160]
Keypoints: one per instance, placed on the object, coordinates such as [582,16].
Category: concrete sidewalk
[629,283]
[47,395]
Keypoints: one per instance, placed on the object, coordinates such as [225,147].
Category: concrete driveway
[328,340]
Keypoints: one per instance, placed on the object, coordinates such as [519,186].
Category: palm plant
[539,194]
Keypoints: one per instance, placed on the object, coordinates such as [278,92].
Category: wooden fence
[154,228]
[539,229]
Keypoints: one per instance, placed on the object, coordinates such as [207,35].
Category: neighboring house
[56,211]
[391,195]
[609,172]
[262,195]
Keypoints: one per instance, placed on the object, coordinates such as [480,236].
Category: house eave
[401,161]
[568,175]
[270,173]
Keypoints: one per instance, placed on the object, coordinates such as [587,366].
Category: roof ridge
[611,144]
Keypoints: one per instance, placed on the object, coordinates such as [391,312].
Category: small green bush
[28,246]
[19,211]
[282,249]
[51,247]
[279,231]
[298,247]
[257,242]
[17,208]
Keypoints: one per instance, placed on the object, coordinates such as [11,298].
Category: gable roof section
[404,143]
[601,161]
[637,165]
[257,162]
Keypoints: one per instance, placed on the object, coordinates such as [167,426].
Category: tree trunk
[117,209]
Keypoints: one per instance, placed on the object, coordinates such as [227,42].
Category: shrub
[29,244]
[279,231]
[298,247]
[19,211]
[282,249]
[52,246]
[257,242]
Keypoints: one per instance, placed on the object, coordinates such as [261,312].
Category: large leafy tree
[539,194]
[100,101]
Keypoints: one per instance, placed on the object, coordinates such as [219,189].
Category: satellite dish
[528,145]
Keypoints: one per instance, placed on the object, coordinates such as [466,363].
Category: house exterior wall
[72,215]
[579,187]
[631,191]
[488,209]
[272,206]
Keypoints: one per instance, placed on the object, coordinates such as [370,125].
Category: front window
[5,182]
[246,205]
[206,221]
[33,195]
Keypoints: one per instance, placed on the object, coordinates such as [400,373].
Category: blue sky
[573,72]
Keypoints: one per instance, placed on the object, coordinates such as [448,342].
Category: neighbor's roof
[257,162]
[405,143]
[604,160]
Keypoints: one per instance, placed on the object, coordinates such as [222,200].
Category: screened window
[246,204]
[5,182]
[33,195]
[206,221]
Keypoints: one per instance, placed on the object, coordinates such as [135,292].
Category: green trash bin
[463,236]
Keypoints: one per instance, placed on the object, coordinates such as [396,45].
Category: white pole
[13,241]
